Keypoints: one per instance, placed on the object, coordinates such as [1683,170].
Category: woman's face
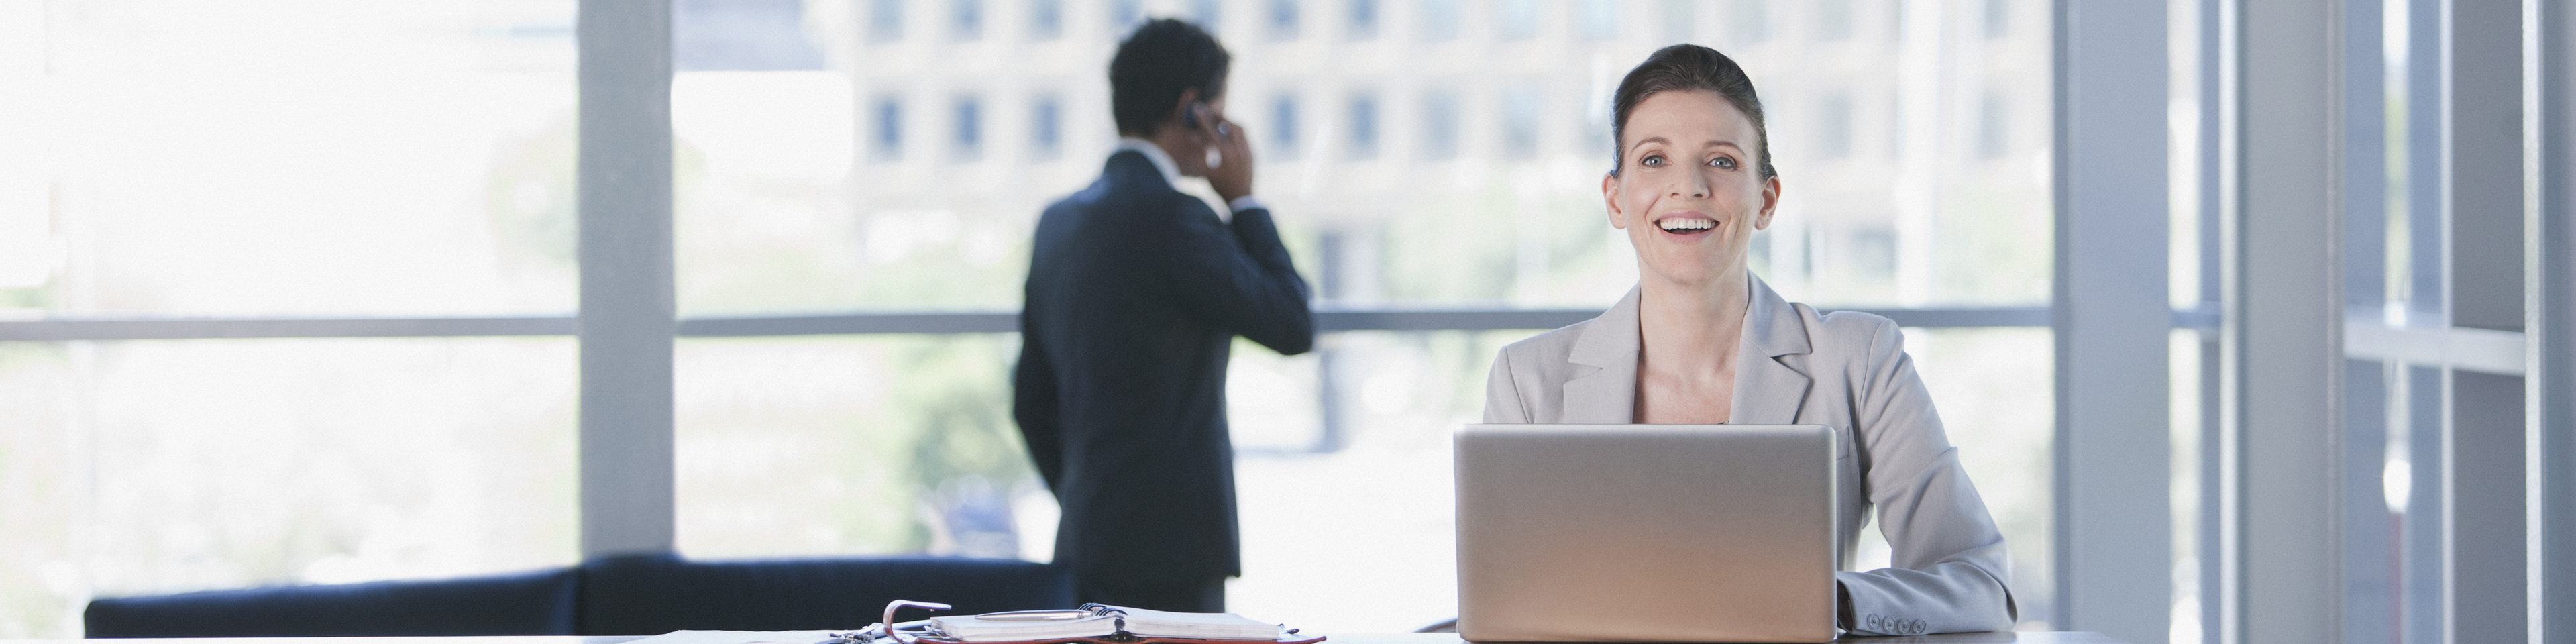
[1689,192]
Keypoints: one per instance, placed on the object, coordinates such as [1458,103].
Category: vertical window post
[2549,117]
[2285,322]
[2113,322]
[627,311]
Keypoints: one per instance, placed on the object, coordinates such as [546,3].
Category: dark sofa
[630,595]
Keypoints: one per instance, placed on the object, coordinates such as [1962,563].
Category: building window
[1439,125]
[1600,19]
[1363,126]
[1994,126]
[970,128]
[966,19]
[1283,19]
[1521,102]
[1834,127]
[1515,19]
[1363,20]
[1046,19]
[1833,19]
[885,20]
[1283,126]
[1207,13]
[1439,20]
[887,142]
[1751,22]
[718,36]
[1124,14]
[1998,18]
[1046,128]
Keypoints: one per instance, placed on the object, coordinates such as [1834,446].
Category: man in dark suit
[1135,293]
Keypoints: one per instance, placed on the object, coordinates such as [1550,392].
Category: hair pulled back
[1682,68]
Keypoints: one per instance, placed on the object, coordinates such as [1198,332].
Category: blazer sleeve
[1502,393]
[1239,274]
[1034,404]
[1950,562]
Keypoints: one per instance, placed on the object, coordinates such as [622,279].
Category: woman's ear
[1610,198]
[1770,203]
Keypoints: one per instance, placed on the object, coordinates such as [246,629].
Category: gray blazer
[1845,370]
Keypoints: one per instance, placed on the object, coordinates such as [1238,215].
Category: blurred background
[307,158]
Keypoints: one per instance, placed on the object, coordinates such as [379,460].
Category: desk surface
[1352,638]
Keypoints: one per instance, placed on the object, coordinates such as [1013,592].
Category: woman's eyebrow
[1657,139]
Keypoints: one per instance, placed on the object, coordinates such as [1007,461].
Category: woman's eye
[1652,161]
[1723,163]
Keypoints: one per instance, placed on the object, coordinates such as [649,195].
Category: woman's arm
[1950,563]
[1502,393]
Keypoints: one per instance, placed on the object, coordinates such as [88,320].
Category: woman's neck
[1692,329]
[1688,336]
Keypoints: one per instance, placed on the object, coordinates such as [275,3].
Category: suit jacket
[1135,293]
[1845,370]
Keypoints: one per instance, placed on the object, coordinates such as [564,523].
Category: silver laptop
[1646,533]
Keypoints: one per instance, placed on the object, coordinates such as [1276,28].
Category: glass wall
[2414,412]
[276,158]
[145,467]
[855,445]
[287,158]
[281,158]
[842,155]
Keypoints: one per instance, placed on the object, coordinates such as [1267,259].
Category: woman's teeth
[1685,225]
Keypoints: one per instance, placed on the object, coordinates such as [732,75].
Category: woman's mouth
[1686,225]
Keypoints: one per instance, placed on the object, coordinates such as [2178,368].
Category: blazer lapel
[1767,391]
[1607,395]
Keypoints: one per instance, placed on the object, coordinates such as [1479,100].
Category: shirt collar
[1162,160]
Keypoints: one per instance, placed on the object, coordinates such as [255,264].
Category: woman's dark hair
[1689,67]
[1154,65]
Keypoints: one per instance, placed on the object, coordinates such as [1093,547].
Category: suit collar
[1612,337]
[1162,161]
[1771,325]
[1767,390]
[1607,395]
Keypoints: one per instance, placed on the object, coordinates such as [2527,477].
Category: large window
[845,168]
[1456,167]
[281,159]
[288,288]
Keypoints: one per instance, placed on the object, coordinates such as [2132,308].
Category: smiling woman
[1690,206]
[1701,340]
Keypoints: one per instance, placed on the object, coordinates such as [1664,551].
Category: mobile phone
[1190,117]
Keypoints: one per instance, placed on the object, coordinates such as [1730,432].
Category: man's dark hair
[1689,67]
[1155,64]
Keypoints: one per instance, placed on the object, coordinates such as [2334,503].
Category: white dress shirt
[1172,171]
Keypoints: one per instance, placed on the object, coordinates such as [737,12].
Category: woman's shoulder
[1853,334]
[1546,348]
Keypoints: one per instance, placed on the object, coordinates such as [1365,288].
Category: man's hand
[1232,174]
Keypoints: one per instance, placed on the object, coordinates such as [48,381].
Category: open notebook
[1097,621]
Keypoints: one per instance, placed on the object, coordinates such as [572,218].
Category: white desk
[1336,638]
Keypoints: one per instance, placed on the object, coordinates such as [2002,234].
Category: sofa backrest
[533,603]
[631,595]
[654,594]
